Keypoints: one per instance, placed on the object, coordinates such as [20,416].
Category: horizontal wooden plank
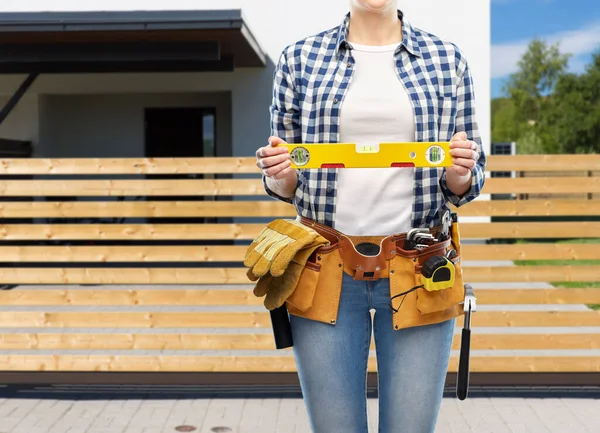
[106,275]
[222,297]
[254,187]
[145,209]
[12,319]
[128,165]
[533,251]
[120,187]
[123,276]
[104,297]
[127,363]
[94,319]
[538,296]
[14,232]
[117,232]
[531,208]
[267,209]
[247,164]
[543,162]
[542,185]
[123,253]
[517,274]
[128,341]
[519,230]
[181,253]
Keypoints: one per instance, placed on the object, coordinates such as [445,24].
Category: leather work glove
[278,289]
[272,251]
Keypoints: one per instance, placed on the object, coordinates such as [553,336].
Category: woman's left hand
[464,154]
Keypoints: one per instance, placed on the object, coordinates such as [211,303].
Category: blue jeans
[332,365]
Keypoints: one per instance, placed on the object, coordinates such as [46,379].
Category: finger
[463,153]
[275,141]
[461,136]
[274,160]
[269,151]
[276,170]
[462,144]
[464,162]
[283,173]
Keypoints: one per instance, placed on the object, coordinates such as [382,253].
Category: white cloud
[576,42]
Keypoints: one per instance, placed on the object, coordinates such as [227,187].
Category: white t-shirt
[375,109]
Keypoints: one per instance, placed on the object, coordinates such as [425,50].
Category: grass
[569,284]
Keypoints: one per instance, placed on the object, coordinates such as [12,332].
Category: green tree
[573,119]
[538,71]
[504,127]
[529,90]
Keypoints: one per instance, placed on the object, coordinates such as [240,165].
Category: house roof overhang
[144,41]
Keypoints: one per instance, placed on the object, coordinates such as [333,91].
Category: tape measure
[437,274]
[382,155]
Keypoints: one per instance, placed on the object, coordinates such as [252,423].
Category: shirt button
[335,101]
[329,190]
[349,64]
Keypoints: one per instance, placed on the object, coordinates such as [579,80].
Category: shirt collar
[409,39]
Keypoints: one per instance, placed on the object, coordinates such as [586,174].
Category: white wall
[67,121]
[276,23]
[249,88]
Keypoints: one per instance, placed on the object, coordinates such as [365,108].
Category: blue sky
[573,23]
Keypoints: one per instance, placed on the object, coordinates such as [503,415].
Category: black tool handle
[462,385]
[282,329]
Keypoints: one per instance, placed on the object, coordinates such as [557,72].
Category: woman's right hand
[274,160]
[275,164]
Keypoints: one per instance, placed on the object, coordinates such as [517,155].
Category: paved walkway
[85,414]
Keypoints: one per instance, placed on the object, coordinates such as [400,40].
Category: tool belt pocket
[318,291]
[447,297]
[303,295]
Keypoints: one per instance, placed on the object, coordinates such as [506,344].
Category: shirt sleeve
[285,114]
[466,122]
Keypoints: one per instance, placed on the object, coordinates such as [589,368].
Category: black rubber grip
[462,384]
[282,330]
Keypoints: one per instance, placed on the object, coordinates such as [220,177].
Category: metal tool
[446,224]
[411,237]
[427,237]
[469,306]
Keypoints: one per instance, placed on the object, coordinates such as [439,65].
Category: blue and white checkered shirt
[311,79]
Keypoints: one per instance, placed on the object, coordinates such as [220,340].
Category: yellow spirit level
[382,155]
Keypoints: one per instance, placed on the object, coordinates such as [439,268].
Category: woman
[373,79]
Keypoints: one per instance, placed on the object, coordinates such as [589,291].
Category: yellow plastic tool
[383,155]
[438,273]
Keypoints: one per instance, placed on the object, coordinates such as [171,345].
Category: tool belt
[368,257]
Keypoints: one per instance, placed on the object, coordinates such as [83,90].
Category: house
[135,78]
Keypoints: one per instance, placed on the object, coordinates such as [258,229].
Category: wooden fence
[133,295]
